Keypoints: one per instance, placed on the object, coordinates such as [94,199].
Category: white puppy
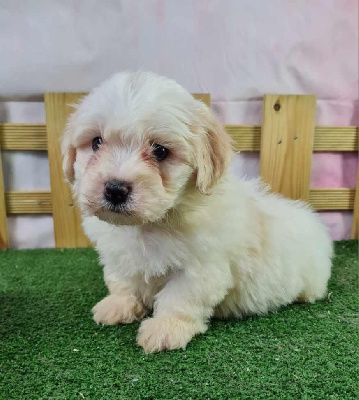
[176,232]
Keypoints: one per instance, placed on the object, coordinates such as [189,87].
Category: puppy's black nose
[116,192]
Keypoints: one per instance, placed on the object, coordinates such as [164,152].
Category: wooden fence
[286,141]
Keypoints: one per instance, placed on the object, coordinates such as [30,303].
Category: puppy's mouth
[102,207]
[123,213]
[116,208]
[123,209]
[118,216]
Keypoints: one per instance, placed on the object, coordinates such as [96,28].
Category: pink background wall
[237,50]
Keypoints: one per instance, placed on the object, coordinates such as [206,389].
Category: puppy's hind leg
[315,282]
[311,294]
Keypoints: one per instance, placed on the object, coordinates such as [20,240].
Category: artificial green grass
[51,348]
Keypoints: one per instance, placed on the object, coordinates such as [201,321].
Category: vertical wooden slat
[67,218]
[4,240]
[287,144]
[355,223]
[204,97]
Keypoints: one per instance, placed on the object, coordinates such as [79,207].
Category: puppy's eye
[160,152]
[96,143]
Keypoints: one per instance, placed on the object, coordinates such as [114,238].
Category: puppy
[176,232]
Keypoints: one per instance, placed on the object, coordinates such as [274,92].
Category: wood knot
[276,106]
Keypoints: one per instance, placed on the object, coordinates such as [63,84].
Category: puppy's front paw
[116,309]
[164,333]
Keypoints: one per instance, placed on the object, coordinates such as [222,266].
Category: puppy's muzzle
[116,192]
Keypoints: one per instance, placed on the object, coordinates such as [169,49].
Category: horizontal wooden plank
[28,202]
[336,138]
[23,136]
[326,138]
[332,199]
[40,202]
[245,137]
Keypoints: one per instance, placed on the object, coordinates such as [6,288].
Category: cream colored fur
[195,241]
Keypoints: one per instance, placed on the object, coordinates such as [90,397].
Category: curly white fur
[194,241]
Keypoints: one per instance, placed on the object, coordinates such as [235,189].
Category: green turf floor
[51,349]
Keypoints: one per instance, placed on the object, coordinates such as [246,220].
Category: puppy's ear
[68,151]
[213,149]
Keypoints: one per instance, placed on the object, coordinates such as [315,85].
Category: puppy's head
[137,145]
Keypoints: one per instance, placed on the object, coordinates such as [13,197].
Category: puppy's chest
[150,253]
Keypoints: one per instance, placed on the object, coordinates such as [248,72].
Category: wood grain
[28,202]
[245,137]
[332,199]
[355,222]
[23,136]
[287,144]
[326,138]
[67,218]
[336,138]
[4,238]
